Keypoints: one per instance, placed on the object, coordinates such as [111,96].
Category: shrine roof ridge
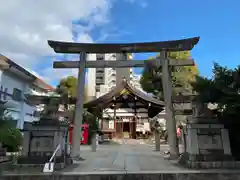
[169,46]
[116,92]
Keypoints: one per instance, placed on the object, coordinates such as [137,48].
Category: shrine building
[125,111]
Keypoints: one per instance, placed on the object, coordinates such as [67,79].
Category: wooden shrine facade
[123,109]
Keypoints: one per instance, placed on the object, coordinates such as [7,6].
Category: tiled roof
[116,91]
[46,86]
[107,99]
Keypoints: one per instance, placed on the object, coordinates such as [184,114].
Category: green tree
[223,89]
[182,76]
[10,136]
[68,87]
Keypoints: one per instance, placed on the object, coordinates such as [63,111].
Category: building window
[17,94]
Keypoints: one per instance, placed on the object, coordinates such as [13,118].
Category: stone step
[230,175]
[4,159]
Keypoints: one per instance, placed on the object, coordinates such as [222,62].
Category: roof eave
[116,91]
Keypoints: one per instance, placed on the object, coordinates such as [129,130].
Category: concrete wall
[19,110]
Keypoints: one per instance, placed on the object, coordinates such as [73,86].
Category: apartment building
[135,80]
[15,83]
[102,80]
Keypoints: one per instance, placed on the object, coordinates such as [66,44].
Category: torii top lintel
[75,48]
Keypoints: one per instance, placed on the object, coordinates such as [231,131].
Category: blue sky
[217,22]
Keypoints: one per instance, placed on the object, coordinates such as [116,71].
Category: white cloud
[26,25]
[142,3]
[51,74]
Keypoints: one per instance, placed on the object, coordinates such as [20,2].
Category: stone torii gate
[162,47]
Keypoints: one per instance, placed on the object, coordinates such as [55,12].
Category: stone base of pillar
[208,146]
[208,161]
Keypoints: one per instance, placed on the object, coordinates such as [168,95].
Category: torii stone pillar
[170,117]
[78,118]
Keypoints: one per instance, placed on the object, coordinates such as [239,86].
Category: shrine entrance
[126,129]
[127,108]
[126,126]
[163,61]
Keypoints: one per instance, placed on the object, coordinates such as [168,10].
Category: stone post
[94,142]
[157,140]
[26,143]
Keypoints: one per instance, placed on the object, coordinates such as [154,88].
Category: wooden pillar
[134,122]
[121,127]
[130,127]
[101,119]
[101,123]
[78,114]
[114,117]
[117,128]
[170,117]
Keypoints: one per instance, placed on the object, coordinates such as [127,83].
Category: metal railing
[54,153]
[53,157]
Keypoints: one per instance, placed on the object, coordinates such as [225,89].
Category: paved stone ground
[131,156]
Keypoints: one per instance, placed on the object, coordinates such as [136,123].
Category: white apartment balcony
[111,85]
[111,72]
[111,78]
[112,81]
[100,74]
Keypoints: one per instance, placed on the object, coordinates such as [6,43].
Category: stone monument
[207,141]
[42,137]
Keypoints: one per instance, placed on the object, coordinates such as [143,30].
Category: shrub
[10,137]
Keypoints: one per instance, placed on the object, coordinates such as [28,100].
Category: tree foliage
[10,136]
[182,77]
[223,89]
[68,87]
